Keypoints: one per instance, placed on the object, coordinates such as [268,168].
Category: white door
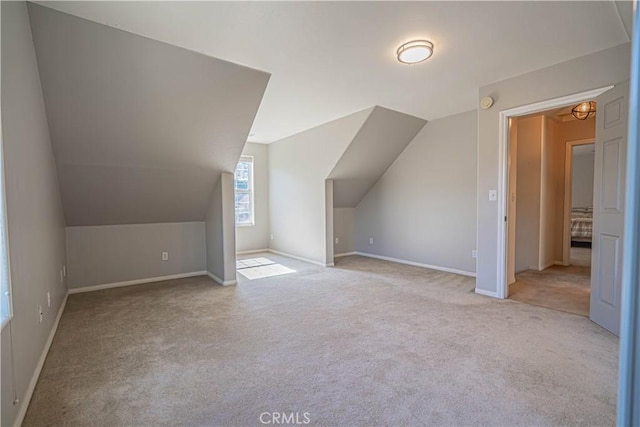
[608,207]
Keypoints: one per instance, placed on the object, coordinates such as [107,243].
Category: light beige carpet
[365,343]
[561,288]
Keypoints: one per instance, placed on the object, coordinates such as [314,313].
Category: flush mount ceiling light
[415,51]
[584,111]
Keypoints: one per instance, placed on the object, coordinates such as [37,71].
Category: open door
[608,207]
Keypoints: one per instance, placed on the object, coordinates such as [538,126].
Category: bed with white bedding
[581,224]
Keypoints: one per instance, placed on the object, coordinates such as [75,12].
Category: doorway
[578,202]
[542,175]
[609,198]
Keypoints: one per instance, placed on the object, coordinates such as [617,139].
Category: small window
[5,283]
[243,183]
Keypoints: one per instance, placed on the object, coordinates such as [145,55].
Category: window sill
[245,225]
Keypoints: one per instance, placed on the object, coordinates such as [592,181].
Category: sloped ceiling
[380,140]
[141,130]
[330,58]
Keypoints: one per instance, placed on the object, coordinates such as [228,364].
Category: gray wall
[214,234]
[551,185]
[117,253]
[141,129]
[599,69]
[344,220]
[384,135]
[298,168]
[257,236]
[423,207]
[528,192]
[35,217]
[582,180]
[539,193]
[220,231]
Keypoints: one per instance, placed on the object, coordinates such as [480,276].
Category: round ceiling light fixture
[584,111]
[415,51]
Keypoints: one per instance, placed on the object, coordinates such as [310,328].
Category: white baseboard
[300,258]
[220,281]
[135,282]
[24,405]
[486,293]
[419,264]
[253,251]
[545,266]
[345,254]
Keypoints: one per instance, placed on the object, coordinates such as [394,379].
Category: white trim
[220,281]
[503,152]
[135,282]
[300,258]
[419,264]
[345,254]
[36,374]
[486,293]
[252,251]
[5,229]
[543,267]
[542,214]
[568,189]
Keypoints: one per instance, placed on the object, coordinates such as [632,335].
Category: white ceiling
[329,59]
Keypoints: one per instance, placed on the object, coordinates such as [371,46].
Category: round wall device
[486,102]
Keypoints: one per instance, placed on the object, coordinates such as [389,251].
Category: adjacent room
[551,180]
[314,213]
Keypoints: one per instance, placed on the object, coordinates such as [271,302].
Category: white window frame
[4,235]
[250,191]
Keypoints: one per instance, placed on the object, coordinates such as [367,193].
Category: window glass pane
[243,208]
[243,176]
[243,182]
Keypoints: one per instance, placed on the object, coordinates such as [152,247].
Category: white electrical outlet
[493,195]
[40,313]
[371,240]
[49,299]
[337,240]
[64,270]
[165,256]
[474,253]
[271,237]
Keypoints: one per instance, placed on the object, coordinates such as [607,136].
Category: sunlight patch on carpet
[253,262]
[259,268]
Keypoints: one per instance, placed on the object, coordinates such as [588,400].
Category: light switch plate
[493,195]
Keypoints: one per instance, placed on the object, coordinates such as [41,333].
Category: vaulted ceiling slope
[380,140]
[141,130]
[331,58]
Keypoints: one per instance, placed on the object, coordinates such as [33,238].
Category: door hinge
[505,218]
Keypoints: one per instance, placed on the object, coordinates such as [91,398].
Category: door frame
[502,288]
[568,181]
